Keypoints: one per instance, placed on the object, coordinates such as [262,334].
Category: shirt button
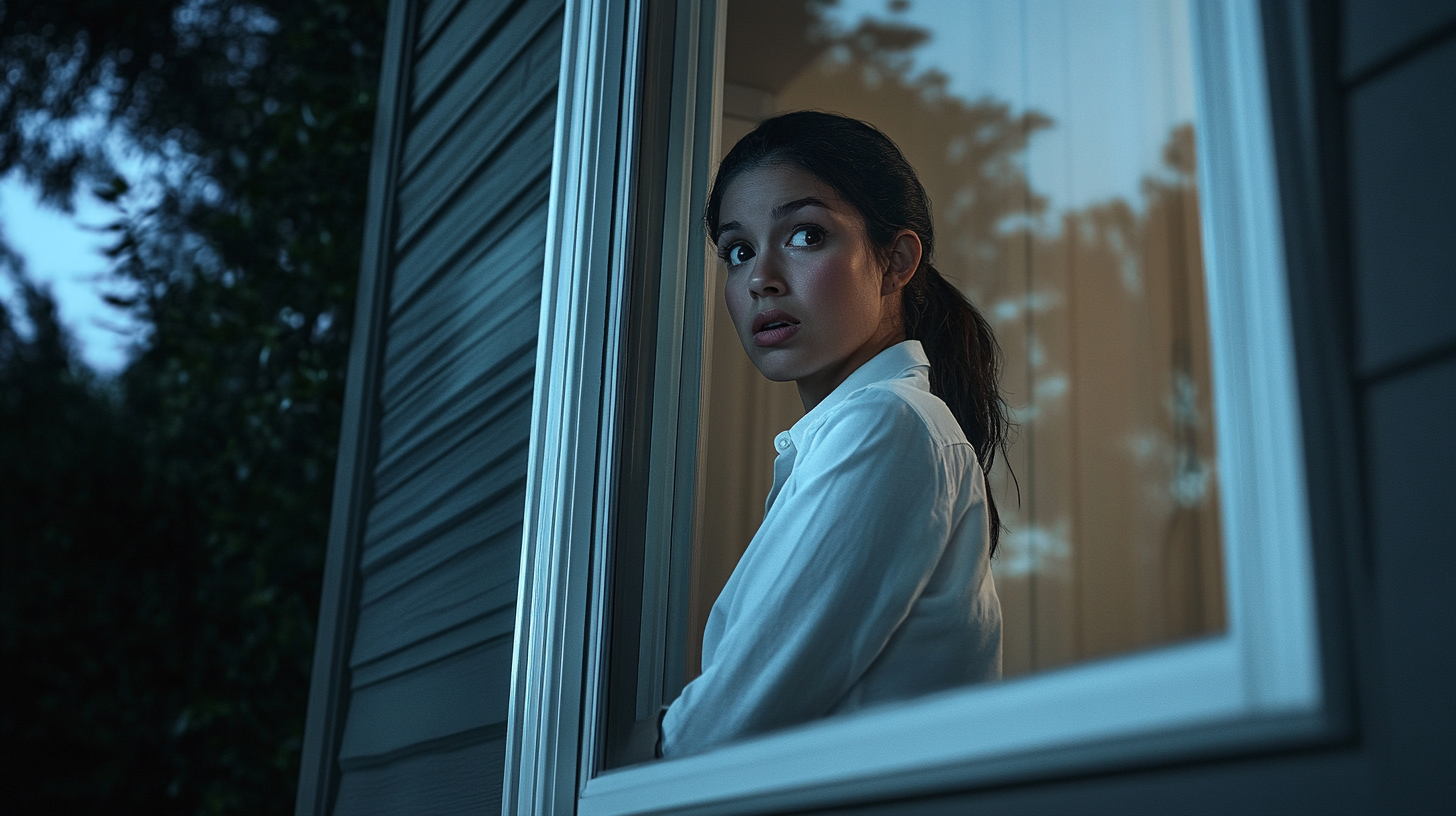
[782,443]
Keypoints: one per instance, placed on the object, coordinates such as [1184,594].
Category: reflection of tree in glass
[1121,457]
[1100,312]
[969,155]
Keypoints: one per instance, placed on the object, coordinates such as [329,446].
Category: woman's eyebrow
[798,204]
[780,211]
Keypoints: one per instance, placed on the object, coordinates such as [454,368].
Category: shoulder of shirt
[910,411]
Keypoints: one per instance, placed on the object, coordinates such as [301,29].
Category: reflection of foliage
[970,161]
[1170,216]
[994,230]
[1115,297]
[1031,549]
[181,577]
[1160,240]
[1189,483]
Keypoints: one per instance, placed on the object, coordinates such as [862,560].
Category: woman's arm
[830,575]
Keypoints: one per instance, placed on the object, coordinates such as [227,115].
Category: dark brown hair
[870,172]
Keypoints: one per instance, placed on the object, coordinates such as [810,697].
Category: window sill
[1144,708]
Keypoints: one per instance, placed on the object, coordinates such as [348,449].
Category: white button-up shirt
[869,579]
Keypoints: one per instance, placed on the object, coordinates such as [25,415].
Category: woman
[869,579]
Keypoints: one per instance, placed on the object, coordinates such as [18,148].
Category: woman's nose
[767,278]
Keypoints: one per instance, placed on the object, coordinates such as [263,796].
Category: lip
[764,337]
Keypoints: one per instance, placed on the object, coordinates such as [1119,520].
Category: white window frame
[1260,683]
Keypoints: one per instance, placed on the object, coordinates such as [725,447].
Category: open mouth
[773,327]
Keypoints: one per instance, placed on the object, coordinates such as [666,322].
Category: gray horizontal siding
[500,191]
[408,786]
[1403,186]
[446,147]
[433,15]
[1375,30]
[447,642]
[464,692]
[430,660]
[446,43]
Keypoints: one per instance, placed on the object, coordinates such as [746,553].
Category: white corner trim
[572,365]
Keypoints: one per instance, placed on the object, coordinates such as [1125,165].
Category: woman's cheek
[734,300]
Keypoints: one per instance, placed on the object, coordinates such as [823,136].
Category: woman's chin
[773,367]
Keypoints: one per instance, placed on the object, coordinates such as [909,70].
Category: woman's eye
[806,236]
[737,254]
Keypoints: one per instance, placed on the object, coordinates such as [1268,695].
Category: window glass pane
[1055,138]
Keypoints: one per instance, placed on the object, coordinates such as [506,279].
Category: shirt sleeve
[829,576]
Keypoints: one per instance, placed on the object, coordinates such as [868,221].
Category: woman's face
[809,298]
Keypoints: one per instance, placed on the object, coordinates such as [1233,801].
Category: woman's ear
[905,252]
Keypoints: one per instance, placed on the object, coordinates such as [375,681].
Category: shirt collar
[892,363]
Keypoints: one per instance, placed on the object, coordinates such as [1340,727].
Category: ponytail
[965,368]
[871,173]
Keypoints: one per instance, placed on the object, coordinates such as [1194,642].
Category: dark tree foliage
[84,693]
[163,534]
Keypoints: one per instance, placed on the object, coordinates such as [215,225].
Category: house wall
[413,673]
[413,678]
[1362,96]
